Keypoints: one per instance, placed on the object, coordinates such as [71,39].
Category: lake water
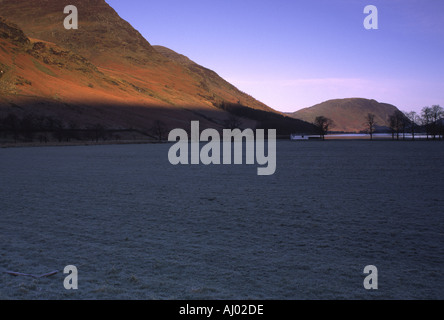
[406,136]
[137,227]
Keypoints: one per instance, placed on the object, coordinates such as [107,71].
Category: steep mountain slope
[348,114]
[121,53]
[42,78]
[211,81]
[102,34]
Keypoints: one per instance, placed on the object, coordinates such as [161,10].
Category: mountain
[106,72]
[42,78]
[348,115]
[211,81]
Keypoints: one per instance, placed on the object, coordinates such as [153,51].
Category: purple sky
[293,54]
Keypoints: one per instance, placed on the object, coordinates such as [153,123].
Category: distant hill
[107,72]
[348,114]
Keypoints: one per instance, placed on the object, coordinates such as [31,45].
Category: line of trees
[30,128]
[430,121]
[432,118]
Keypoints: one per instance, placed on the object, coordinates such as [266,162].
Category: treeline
[430,121]
[30,128]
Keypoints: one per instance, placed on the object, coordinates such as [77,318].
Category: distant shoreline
[7,145]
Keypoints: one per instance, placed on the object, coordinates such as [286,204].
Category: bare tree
[370,124]
[72,131]
[397,123]
[2,127]
[412,118]
[392,125]
[404,124]
[99,132]
[232,122]
[159,130]
[12,125]
[426,119]
[436,114]
[323,125]
[441,128]
[28,127]
[58,129]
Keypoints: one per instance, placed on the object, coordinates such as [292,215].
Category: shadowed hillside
[106,72]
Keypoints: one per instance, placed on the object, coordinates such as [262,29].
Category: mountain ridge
[106,70]
[348,114]
[115,47]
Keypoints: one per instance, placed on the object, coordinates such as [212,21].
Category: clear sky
[292,54]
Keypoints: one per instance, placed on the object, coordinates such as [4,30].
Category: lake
[137,227]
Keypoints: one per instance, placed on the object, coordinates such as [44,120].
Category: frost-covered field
[139,228]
